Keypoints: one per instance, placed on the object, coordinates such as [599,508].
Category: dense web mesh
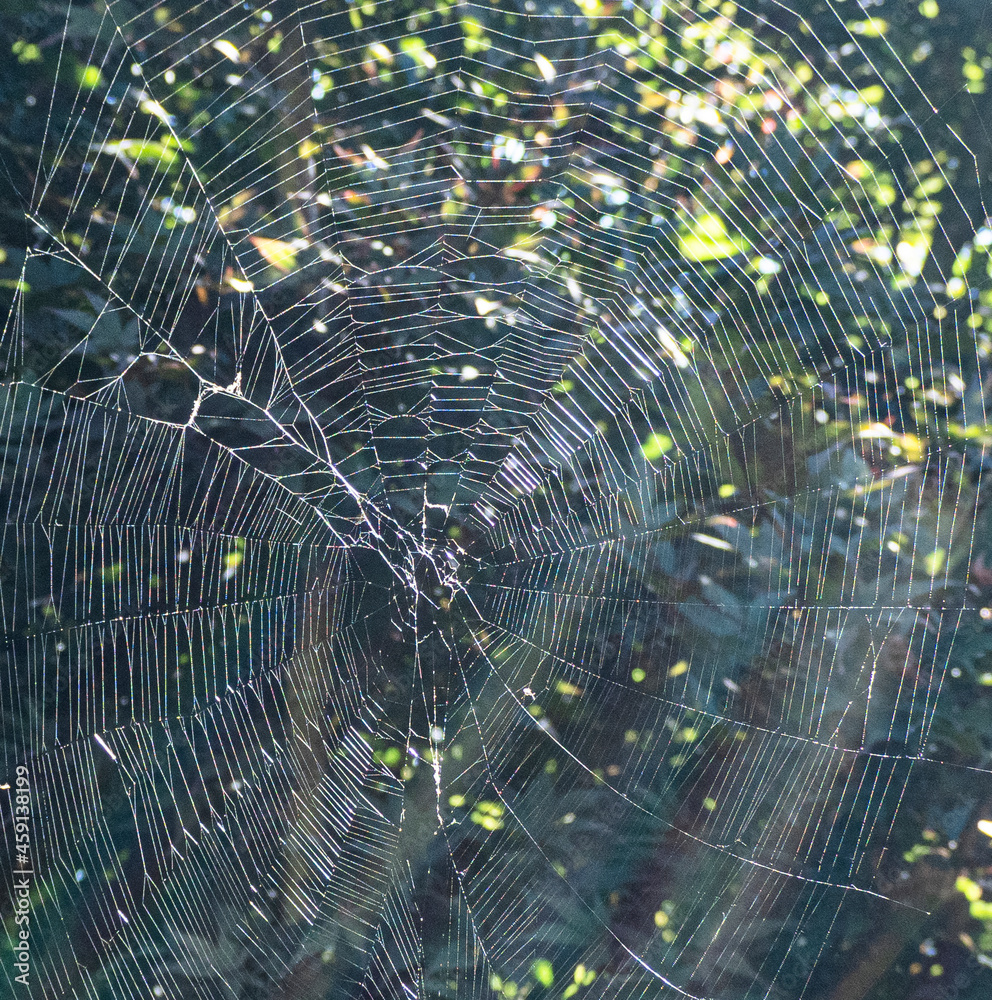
[465,534]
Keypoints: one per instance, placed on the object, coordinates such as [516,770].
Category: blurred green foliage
[796,187]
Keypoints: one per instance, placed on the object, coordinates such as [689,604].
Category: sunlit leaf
[485,306]
[656,445]
[708,239]
[543,972]
[278,253]
[545,67]
[228,49]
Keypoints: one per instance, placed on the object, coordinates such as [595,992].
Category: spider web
[423,522]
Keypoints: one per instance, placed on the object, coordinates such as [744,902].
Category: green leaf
[543,972]
[708,239]
[656,445]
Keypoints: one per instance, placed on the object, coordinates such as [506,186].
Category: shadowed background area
[494,499]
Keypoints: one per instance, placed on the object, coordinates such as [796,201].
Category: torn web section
[199,332]
[259,160]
